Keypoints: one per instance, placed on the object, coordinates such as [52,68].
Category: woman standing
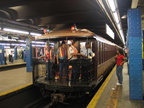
[119,62]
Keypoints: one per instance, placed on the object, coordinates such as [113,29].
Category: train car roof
[66,33]
[77,34]
[101,39]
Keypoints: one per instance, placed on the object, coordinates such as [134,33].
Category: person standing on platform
[5,57]
[62,59]
[120,59]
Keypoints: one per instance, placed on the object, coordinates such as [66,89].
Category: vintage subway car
[94,69]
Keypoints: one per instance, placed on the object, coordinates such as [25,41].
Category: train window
[100,52]
[98,46]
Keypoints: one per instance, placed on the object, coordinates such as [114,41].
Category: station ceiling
[57,14]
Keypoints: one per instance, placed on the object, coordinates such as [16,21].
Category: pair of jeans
[75,69]
[63,65]
[49,65]
[119,73]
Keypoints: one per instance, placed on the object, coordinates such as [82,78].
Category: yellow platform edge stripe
[15,64]
[15,89]
[96,97]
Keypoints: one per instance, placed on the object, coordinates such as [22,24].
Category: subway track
[31,97]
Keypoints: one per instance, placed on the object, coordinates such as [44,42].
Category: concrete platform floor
[14,78]
[111,95]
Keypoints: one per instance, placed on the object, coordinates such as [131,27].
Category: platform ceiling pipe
[135,53]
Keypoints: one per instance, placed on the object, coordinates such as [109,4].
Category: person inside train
[5,57]
[72,56]
[120,60]
[87,51]
[48,57]
[62,56]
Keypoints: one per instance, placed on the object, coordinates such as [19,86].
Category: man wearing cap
[86,51]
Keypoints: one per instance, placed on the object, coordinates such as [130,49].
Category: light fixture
[112,4]
[21,40]
[15,31]
[35,34]
[119,26]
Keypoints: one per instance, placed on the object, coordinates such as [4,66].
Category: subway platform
[12,79]
[111,95]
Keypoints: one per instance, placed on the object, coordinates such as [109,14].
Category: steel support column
[2,62]
[15,53]
[28,55]
[135,53]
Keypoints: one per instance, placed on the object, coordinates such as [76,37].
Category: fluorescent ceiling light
[35,34]
[119,26]
[122,35]
[116,17]
[38,42]
[21,40]
[39,45]
[15,31]
[112,5]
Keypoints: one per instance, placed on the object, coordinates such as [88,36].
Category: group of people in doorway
[64,54]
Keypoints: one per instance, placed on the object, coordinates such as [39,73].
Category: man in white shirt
[72,56]
[87,51]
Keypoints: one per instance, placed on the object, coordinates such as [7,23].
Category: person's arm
[123,60]
[91,52]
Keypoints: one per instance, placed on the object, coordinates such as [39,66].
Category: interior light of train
[109,31]
[35,34]
[112,5]
[15,31]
